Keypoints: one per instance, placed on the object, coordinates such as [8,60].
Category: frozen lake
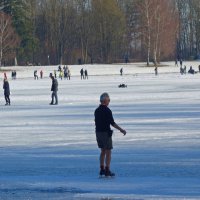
[50,152]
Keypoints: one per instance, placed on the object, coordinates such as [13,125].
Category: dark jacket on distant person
[6,88]
[54,86]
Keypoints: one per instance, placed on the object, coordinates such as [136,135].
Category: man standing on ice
[54,89]
[103,120]
[6,88]
[82,74]
[121,71]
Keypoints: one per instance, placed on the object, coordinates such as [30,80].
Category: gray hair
[104,96]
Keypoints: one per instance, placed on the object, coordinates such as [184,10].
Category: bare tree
[108,28]
[165,26]
[146,11]
[156,15]
[8,38]
[59,32]
[189,28]
[84,25]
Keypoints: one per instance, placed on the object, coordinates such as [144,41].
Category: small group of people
[63,73]
[67,73]
[190,71]
[36,75]
[84,74]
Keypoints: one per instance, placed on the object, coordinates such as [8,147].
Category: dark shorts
[104,141]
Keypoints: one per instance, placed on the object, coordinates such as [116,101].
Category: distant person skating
[55,74]
[69,74]
[199,68]
[121,71]
[156,70]
[41,74]
[181,70]
[86,74]
[35,75]
[6,88]
[191,70]
[82,74]
[59,68]
[181,62]
[65,73]
[54,89]
[103,120]
[5,75]
[14,75]
[185,69]
[61,74]
[176,63]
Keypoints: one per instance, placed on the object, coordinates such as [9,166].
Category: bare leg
[108,158]
[105,158]
[102,157]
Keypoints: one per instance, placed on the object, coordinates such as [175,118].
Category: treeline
[98,31]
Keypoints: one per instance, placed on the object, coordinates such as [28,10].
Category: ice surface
[50,152]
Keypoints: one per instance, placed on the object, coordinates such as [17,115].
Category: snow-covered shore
[104,69]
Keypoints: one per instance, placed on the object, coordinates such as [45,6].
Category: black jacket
[54,86]
[6,88]
[103,119]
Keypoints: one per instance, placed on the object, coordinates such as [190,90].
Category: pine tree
[23,21]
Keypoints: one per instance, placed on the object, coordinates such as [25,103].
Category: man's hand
[123,131]
[119,128]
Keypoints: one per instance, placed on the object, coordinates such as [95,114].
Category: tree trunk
[1,50]
[149,35]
